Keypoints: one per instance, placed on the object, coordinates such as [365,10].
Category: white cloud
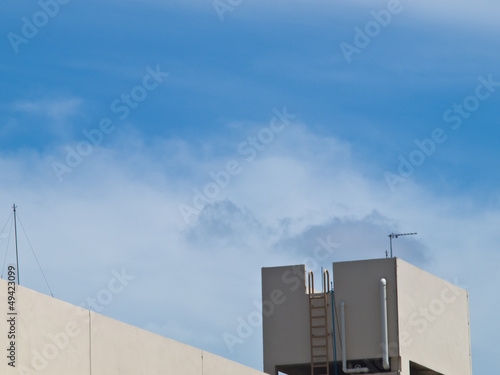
[53,109]
[56,113]
[458,13]
[119,210]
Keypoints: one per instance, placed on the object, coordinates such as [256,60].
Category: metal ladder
[318,323]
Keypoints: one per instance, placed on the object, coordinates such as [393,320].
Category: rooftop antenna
[15,235]
[396,235]
[16,219]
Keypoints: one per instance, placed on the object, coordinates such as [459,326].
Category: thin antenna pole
[396,235]
[15,235]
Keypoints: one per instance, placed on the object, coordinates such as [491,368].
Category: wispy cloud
[273,215]
[53,109]
[322,177]
[46,116]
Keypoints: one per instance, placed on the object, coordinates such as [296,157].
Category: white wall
[433,322]
[358,285]
[56,338]
[286,323]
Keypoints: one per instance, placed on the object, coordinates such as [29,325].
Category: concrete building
[388,317]
[45,336]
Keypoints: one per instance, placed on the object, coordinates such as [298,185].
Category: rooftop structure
[380,316]
[388,317]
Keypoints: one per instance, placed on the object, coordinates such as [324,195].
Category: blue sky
[207,86]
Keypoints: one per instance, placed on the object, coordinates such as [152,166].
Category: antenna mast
[394,235]
[15,234]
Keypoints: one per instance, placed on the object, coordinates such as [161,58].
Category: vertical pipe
[334,339]
[323,275]
[342,334]
[385,335]
[390,236]
[344,344]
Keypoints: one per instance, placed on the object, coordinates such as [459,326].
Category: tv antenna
[396,235]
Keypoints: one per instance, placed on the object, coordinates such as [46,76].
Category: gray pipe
[385,334]
[344,344]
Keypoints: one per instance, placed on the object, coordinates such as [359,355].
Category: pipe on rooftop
[344,344]
[385,334]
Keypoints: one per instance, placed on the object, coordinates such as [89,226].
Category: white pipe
[344,344]
[385,334]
